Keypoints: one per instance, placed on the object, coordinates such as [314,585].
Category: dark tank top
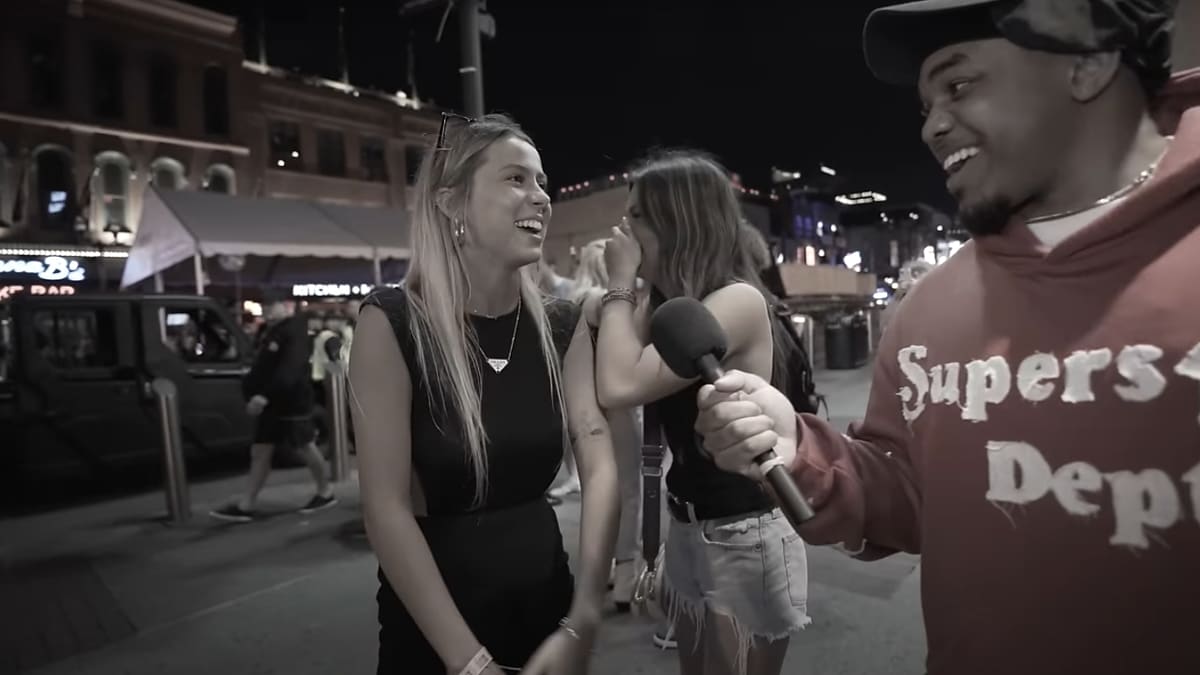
[520,414]
[693,476]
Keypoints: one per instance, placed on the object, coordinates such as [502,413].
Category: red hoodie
[1033,431]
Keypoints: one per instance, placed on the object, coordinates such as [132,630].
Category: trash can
[839,348]
[860,340]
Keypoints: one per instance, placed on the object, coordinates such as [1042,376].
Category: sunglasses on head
[446,117]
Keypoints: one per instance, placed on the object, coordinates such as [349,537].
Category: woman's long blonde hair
[591,276]
[438,288]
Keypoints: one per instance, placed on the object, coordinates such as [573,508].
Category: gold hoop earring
[460,232]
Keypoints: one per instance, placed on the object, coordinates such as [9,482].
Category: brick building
[105,98]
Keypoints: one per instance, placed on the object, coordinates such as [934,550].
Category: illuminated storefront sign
[50,268]
[8,291]
[330,290]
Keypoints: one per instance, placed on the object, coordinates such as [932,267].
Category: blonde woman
[466,384]
[591,281]
[551,283]
[735,571]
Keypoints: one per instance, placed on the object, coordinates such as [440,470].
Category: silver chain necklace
[500,364]
[1137,182]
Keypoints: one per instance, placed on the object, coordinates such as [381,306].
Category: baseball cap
[898,38]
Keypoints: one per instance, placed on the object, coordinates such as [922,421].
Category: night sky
[757,83]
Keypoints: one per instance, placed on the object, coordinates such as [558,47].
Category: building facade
[104,98]
[315,138]
[881,237]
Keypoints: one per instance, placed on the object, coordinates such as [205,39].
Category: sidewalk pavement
[111,589]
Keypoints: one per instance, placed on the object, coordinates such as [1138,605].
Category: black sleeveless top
[693,476]
[520,414]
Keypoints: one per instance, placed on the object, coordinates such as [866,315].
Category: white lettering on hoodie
[1142,501]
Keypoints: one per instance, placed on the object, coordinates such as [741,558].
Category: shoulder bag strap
[652,474]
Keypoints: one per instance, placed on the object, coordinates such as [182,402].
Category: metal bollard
[807,329]
[179,504]
[872,330]
[339,436]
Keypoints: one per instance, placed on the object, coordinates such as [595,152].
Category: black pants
[508,575]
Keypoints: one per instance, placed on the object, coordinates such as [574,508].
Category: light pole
[471,59]
[471,23]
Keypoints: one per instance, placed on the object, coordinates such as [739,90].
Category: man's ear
[1091,74]
[445,202]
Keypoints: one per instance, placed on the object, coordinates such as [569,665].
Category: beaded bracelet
[614,294]
[565,624]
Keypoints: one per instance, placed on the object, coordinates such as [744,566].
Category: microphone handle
[791,501]
[793,504]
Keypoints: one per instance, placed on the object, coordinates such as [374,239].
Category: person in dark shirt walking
[279,395]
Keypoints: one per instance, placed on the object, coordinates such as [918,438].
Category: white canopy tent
[385,229]
[177,225]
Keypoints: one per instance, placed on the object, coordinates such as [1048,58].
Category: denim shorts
[751,568]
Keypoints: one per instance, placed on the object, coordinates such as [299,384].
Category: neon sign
[50,268]
[7,292]
[330,290]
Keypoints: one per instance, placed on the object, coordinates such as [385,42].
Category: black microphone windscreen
[683,330]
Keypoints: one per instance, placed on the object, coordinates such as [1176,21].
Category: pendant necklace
[499,364]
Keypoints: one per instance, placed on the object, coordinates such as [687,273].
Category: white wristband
[478,663]
[771,464]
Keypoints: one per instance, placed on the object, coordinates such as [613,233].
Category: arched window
[110,185]
[219,178]
[55,189]
[166,174]
[216,101]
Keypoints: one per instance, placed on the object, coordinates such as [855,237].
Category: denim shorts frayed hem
[750,568]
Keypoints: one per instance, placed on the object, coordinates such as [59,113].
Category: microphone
[692,344]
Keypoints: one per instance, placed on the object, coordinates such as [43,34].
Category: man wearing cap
[1033,429]
[280,396]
